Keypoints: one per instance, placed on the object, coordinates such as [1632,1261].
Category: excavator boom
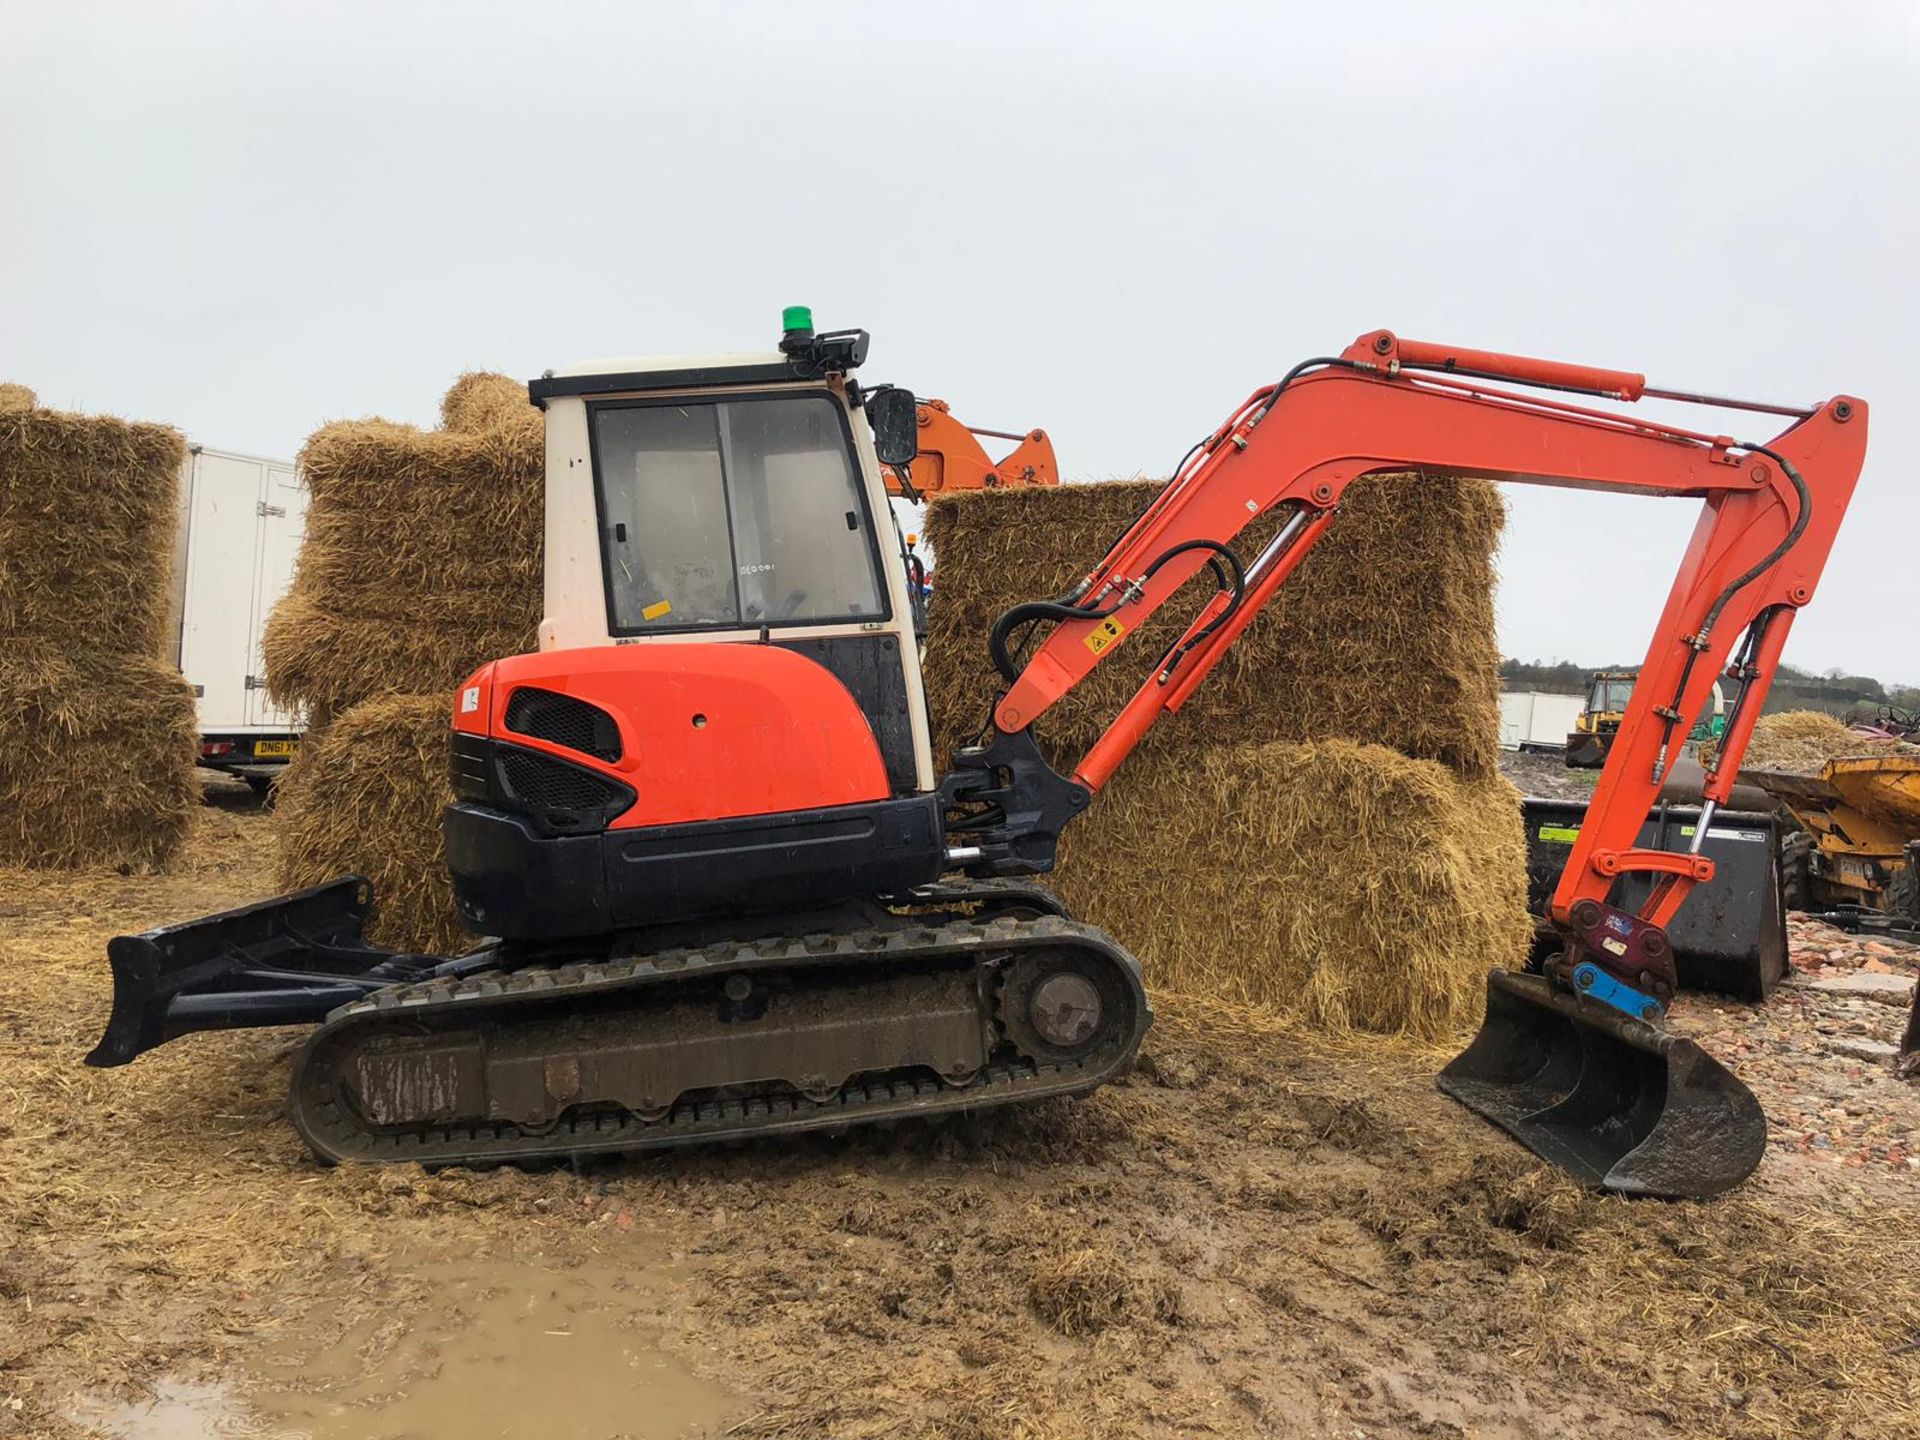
[1576,1063]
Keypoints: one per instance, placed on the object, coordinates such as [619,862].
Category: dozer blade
[285,961]
[1610,1099]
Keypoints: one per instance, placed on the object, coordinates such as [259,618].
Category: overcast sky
[1109,220]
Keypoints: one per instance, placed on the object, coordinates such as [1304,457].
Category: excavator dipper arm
[1768,521]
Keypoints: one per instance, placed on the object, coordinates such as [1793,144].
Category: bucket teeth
[1610,1099]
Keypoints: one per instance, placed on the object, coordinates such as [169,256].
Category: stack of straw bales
[1384,635]
[97,730]
[422,561]
[422,552]
[1323,829]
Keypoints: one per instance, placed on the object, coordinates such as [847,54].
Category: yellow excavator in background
[1854,861]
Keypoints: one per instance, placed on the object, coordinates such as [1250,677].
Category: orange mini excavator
[722,892]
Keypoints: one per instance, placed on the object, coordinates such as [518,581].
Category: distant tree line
[1834,691]
[1562,677]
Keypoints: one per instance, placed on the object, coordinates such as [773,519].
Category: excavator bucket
[1611,1099]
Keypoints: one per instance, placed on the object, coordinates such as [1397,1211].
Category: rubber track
[335,1134]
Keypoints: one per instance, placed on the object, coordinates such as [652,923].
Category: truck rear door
[283,518]
[221,577]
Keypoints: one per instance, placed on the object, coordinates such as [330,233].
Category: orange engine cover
[707,731]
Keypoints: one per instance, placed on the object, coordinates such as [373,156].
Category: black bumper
[511,881]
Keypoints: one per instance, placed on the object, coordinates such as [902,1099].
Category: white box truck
[241,520]
[1537,721]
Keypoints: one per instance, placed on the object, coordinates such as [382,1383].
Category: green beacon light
[837,352]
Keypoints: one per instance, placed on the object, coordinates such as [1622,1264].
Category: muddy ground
[1547,774]
[1261,1233]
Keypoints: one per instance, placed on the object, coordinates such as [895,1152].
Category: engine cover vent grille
[563,720]
[565,796]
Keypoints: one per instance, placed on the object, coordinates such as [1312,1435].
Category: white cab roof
[642,364]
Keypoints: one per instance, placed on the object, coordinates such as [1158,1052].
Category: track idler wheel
[1614,1101]
[1062,1006]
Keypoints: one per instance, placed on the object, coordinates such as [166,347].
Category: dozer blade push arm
[285,961]
[1768,521]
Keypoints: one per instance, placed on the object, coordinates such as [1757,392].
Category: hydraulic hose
[1316,363]
[1232,578]
[1773,557]
[1743,668]
[1028,611]
[1065,608]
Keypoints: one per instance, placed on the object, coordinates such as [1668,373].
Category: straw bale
[483,400]
[88,511]
[97,758]
[332,660]
[427,476]
[1800,742]
[392,560]
[365,798]
[16,397]
[422,560]
[1385,635]
[1346,885]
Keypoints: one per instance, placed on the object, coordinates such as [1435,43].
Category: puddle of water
[179,1410]
[505,1351]
[501,1351]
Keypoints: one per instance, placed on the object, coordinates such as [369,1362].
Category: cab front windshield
[733,513]
[1610,697]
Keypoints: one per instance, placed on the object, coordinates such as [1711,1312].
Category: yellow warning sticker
[1561,833]
[1104,634]
[656,610]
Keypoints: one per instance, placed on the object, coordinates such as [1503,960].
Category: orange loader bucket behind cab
[952,458]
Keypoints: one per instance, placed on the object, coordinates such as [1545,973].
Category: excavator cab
[726,707]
